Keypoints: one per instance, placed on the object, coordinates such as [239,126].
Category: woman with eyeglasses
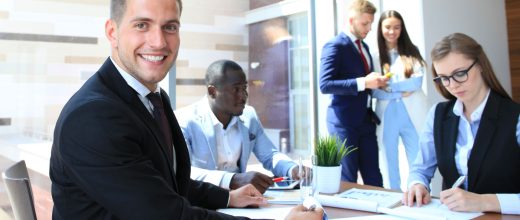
[403,100]
[474,135]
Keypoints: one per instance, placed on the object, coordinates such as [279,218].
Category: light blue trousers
[397,123]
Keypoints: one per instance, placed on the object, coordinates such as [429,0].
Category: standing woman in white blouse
[403,100]
[475,134]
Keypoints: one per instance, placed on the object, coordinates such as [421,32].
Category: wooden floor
[41,186]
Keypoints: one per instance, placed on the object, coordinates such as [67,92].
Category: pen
[459,182]
[279,179]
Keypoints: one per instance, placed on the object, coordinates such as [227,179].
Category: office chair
[18,187]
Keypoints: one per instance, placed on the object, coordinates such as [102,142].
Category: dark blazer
[109,162]
[341,64]
[494,163]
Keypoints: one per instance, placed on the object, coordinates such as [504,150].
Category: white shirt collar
[458,108]
[214,119]
[352,37]
[134,83]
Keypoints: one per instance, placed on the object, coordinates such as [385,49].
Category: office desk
[342,213]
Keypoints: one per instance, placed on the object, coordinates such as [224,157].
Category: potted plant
[328,153]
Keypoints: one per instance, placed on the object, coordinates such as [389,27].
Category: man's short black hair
[215,75]
[118,8]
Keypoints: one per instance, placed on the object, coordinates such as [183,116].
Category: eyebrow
[151,20]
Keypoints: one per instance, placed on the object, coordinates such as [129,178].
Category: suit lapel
[111,77]
[209,131]
[449,142]
[485,132]
[246,144]
[181,150]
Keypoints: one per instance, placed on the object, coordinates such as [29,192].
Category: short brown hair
[467,46]
[358,7]
[118,8]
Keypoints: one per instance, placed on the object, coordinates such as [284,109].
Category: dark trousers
[365,159]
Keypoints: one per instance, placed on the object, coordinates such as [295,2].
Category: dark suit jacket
[109,162]
[494,163]
[341,64]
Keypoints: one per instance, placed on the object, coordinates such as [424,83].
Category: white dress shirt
[229,147]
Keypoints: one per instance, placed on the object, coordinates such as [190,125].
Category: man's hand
[417,192]
[296,175]
[246,196]
[460,200]
[300,212]
[260,181]
[375,80]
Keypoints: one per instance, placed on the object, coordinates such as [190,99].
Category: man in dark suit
[346,74]
[118,151]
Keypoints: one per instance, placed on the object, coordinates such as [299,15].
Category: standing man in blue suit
[346,74]
[221,132]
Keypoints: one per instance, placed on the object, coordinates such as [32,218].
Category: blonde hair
[358,7]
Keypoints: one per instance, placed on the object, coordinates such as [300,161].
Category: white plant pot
[328,179]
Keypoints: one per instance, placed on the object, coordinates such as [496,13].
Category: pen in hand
[459,182]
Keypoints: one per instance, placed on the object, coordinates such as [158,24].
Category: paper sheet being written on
[436,210]
[258,213]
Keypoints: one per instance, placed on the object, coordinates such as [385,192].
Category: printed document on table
[436,208]
[287,197]
[382,198]
[258,213]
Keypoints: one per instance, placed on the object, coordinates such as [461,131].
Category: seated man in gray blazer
[221,131]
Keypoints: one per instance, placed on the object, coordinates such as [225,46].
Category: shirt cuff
[226,180]
[290,172]
[360,84]
[509,203]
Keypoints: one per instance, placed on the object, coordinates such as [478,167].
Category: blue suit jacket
[341,64]
[197,127]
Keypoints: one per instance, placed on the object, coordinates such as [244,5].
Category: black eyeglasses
[460,76]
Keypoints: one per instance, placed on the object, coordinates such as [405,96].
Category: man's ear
[212,91]
[111,32]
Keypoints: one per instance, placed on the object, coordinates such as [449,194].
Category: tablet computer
[286,184]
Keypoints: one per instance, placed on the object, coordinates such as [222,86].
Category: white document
[373,217]
[382,198]
[262,212]
[288,197]
[433,210]
[347,203]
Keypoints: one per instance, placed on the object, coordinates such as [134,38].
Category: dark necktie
[365,63]
[160,117]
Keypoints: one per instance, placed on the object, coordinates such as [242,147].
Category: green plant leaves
[330,150]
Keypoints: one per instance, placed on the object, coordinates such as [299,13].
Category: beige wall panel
[4,14]
[241,57]
[39,52]
[190,73]
[232,47]
[26,27]
[212,38]
[181,63]
[2,57]
[52,7]
[186,42]
[89,2]
[84,59]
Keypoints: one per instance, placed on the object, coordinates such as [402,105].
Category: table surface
[342,213]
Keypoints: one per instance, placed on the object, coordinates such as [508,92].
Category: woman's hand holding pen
[460,200]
